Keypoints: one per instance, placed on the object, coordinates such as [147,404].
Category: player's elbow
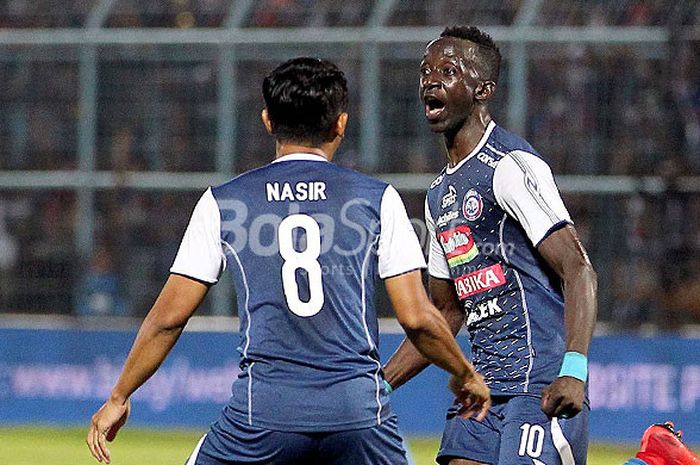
[589,275]
[418,319]
[580,268]
[164,322]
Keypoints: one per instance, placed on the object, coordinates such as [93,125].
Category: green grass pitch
[61,446]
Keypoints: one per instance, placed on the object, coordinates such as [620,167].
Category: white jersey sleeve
[524,186]
[201,255]
[399,250]
[437,262]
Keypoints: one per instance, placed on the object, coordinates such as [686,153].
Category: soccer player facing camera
[504,254]
[311,389]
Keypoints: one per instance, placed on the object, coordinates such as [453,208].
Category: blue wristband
[387,387]
[575,365]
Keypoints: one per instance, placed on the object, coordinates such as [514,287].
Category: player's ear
[266,121]
[484,90]
[341,124]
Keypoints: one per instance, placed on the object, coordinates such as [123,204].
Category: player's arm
[563,251]
[430,338]
[198,264]
[430,334]
[524,186]
[408,361]
[158,333]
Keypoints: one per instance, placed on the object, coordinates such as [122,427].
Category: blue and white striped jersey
[305,241]
[486,217]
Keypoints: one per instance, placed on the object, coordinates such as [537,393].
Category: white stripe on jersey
[561,443]
[247,331]
[193,457]
[250,394]
[365,263]
[247,295]
[500,238]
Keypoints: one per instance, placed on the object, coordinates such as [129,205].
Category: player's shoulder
[358,178]
[504,144]
[434,191]
[438,180]
[241,180]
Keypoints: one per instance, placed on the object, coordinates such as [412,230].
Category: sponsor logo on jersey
[486,159]
[445,218]
[458,245]
[483,311]
[436,182]
[480,281]
[473,205]
[449,198]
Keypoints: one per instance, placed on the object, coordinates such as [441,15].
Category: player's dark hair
[304,97]
[488,54]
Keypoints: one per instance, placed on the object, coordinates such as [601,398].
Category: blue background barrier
[62,376]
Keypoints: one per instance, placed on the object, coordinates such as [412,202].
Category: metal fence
[116,114]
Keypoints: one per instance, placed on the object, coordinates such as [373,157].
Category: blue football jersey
[487,215]
[305,241]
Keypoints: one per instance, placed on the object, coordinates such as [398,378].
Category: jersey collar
[482,142]
[300,157]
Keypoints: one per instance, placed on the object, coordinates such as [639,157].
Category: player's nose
[429,82]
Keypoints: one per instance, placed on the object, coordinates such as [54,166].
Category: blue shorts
[515,432]
[231,443]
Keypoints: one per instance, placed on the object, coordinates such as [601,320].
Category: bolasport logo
[479,281]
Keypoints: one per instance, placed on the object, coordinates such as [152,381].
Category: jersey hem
[444,278]
[194,278]
[313,427]
[393,275]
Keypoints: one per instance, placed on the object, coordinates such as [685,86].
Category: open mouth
[433,107]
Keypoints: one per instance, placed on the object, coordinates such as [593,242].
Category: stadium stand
[624,106]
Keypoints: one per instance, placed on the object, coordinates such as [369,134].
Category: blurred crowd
[591,110]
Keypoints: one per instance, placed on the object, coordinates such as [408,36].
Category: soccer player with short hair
[305,241]
[504,254]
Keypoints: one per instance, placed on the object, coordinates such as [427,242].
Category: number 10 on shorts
[531,440]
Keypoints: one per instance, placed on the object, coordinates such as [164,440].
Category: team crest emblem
[473,205]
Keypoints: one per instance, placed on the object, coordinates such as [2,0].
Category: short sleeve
[200,255]
[524,186]
[437,262]
[399,250]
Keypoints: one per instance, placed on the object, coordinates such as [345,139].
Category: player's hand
[472,393]
[563,398]
[104,426]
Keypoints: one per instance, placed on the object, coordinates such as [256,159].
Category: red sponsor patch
[480,281]
[456,241]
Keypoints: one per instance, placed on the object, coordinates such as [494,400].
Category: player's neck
[286,148]
[461,143]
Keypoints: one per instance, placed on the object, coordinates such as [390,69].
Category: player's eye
[424,71]
[449,71]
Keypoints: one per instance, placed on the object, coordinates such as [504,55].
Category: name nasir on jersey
[486,216]
[305,241]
